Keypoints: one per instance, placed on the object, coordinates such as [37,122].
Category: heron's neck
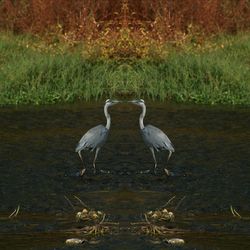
[143,113]
[107,116]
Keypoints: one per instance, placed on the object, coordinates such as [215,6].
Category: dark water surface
[211,167]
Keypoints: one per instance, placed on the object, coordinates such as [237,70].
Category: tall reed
[217,74]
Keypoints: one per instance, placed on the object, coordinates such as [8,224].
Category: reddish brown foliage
[87,18]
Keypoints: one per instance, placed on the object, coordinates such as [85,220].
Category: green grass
[213,75]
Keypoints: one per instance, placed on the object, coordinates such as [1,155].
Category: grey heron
[95,138]
[153,137]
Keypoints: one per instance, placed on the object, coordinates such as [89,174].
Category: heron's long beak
[133,101]
[115,101]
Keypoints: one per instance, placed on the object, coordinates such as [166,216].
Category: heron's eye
[108,100]
[141,100]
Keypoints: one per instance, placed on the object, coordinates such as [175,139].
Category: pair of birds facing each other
[154,138]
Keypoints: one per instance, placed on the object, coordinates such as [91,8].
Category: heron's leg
[165,169]
[96,154]
[153,153]
[80,155]
[84,169]
[169,155]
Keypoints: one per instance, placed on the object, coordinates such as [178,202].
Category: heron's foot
[168,173]
[81,172]
[155,169]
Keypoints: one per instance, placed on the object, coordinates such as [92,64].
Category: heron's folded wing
[156,138]
[92,138]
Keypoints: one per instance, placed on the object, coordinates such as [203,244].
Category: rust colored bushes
[89,20]
[40,16]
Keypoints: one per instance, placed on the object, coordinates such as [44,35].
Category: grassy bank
[33,72]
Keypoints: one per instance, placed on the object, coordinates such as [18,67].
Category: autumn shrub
[124,28]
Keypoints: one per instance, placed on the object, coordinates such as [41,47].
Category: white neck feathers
[107,116]
[142,115]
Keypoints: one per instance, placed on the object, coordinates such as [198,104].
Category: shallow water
[211,171]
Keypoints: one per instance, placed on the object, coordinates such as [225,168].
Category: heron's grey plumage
[156,138]
[95,137]
[153,137]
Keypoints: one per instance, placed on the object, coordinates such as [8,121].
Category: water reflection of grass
[218,72]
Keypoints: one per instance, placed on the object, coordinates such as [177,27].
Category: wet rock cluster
[160,215]
[152,226]
[90,215]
